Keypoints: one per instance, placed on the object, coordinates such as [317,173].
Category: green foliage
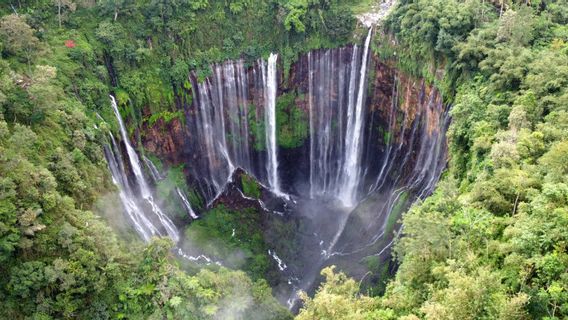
[292,122]
[195,199]
[251,188]
[161,290]
[234,236]
[380,275]
[166,189]
[396,212]
[18,37]
[339,298]
[166,116]
[489,243]
[485,245]
[150,47]
[59,260]
[297,10]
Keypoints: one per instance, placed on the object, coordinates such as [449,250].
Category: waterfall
[270,122]
[146,216]
[384,151]
[221,120]
[142,225]
[330,97]
[353,143]
[234,116]
[186,204]
[336,102]
[141,183]
[132,156]
[210,130]
[154,172]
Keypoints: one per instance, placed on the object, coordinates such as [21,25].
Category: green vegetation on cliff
[292,122]
[250,186]
[59,60]
[233,236]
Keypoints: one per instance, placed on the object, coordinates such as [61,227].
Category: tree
[339,298]
[555,161]
[61,5]
[296,11]
[18,36]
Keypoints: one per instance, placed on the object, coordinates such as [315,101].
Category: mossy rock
[292,122]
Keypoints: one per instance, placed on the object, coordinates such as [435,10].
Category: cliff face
[395,103]
[166,140]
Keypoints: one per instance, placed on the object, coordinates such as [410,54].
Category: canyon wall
[402,115]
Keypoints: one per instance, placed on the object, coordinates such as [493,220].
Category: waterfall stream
[154,172]
[235,110]
[164,221]
[143,225]
[234,120]
[352,155]
[336,100]
[147,217]
[270,122]
[186,203]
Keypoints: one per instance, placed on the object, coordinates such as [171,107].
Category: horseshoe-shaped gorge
[283,159]
[340,149]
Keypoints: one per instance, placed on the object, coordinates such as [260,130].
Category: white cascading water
[222,123]
[186,204]
[312,132]
[156,175]
[134,161]
[234,107]
[331,91]
[336,102]
[232,123]
[270,121]
[351,169]
[142,225]
[135,204]
[227,105]
[209,128]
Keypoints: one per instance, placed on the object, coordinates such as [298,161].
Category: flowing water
[154,172]
[136,196]
[234,122]
[352,166]
[186,204]
[164,222]
[270,122]
[143,225]
[336,99]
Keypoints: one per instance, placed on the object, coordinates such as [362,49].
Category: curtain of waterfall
[164,221]
[270,123]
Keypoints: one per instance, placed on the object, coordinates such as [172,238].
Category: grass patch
[251,188]
[235,237]
[396,212]
[167,116]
